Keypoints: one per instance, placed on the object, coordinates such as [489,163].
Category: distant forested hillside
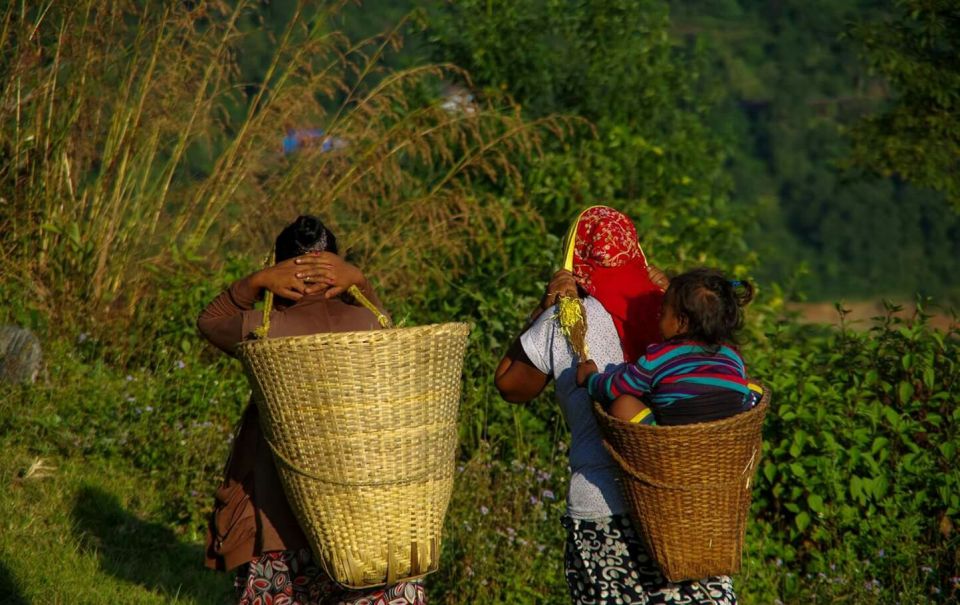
[792,82]
[782,81]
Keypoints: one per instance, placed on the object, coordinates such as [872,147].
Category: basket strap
[264,328]
[300,471]
[363,300]
[712,486]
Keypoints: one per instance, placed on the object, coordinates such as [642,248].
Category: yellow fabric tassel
[572,318]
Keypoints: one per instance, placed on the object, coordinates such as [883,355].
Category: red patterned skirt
[291,577]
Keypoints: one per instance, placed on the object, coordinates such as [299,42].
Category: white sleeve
[537,341]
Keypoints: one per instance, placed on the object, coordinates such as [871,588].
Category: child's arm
[626,379]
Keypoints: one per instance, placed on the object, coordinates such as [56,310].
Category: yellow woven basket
[688,487]
[363,427]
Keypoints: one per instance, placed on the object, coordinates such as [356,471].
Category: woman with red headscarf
[605,560]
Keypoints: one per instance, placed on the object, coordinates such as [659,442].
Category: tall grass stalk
[105,106]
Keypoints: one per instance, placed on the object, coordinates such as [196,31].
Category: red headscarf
[609,264]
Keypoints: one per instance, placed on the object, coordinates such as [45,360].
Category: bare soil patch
[862,314]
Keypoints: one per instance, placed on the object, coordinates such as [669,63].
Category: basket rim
[456,325]
[763,404]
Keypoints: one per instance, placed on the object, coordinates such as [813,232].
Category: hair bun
[306,234]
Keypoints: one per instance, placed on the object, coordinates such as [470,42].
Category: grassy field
[89,531]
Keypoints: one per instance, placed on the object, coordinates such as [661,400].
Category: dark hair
[708,305]
[306,234]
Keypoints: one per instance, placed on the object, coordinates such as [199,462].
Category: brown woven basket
[363,427]
[688,487]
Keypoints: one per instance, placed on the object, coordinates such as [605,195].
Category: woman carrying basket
[605,560]
[252,528]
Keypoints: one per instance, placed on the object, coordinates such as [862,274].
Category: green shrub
[859,479]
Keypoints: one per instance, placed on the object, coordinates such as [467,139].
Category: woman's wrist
[363,284]
[256,280]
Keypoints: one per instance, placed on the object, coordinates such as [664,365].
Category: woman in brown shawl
[252,528]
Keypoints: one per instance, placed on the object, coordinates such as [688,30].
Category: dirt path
[862,313]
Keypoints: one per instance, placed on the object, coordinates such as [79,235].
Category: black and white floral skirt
[606,562]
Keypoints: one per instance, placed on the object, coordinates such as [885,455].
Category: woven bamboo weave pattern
[363,426]
[689,487]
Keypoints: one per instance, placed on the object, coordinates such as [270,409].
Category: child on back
[694,375]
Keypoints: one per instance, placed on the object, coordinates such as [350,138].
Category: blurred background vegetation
[149,151]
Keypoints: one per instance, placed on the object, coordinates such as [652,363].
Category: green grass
[91,531]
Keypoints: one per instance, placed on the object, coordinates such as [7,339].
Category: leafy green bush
[859,479]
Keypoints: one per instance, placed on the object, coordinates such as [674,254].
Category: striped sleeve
[626,379]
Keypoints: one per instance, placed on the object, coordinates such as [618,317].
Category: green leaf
[73,232]
[803,521]
[905,391]
[856,487]
[795,449]
[892,416]
[815,503]
[770,471]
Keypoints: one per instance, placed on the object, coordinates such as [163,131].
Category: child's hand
[584,370]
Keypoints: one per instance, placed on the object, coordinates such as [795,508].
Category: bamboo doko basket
[363,428]
[688,487]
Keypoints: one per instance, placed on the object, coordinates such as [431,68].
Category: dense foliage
[794,87]
[916,49]
[113,454]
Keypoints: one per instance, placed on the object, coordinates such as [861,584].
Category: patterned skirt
[606,562]
[291,577]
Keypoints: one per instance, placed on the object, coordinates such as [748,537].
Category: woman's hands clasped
[331,272]
[297,277]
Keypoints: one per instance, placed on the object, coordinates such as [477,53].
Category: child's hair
[708,305]
[306,234]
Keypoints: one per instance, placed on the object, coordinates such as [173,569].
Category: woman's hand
[585,369]
[286,278]
[561,284]
[331,272]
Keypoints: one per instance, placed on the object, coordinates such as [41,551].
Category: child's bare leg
[631,409]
